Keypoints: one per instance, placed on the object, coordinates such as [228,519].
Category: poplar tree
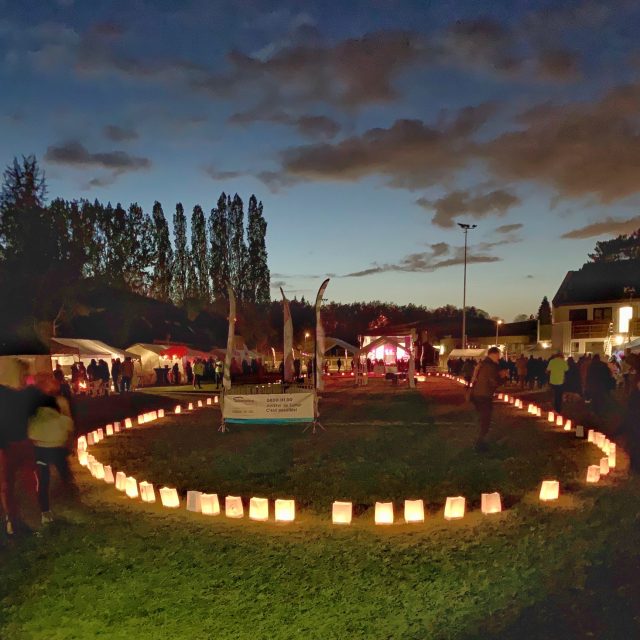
[163,255]
[181,258]
[199,253]
[141,256]
[219,243]
[238,261]
[258,276]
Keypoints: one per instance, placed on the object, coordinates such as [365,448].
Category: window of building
[603,313]
[577,315]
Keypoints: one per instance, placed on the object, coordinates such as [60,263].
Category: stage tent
[150,359]
[330,343]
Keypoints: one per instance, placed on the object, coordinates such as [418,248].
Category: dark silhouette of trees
[181,256]
[624,247]
[163,262]
[200,254]
[219,242]
[258,288]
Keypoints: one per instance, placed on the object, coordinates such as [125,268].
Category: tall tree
[237,248]
[193,286]
[199,253]
[219,242]
[544,311]
[258,276]
[623,247]
[163,255]
[141,256]
[181,257]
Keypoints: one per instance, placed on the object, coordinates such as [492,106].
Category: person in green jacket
[557,369]
[51,431]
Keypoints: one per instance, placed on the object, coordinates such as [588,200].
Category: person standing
[486,379]
[198,372]
[339,363]
[219,368]
[116,367]
[557,369]
[51,430]
[127,375]
[600,383]
[521,367]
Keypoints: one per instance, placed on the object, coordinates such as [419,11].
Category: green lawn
[118,569]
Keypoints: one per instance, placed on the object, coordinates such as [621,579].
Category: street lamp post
[498,323]
[465,228]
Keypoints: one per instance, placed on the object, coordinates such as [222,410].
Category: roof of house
[599,282]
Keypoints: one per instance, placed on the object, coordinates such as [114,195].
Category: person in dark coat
[600,383]
[486,379]
[630,428]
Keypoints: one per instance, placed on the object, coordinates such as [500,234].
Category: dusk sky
[368,129]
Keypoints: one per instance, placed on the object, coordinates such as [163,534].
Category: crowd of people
[36,432]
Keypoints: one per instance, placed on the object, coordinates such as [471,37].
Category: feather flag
[287,353]
[319,338]
[226,380]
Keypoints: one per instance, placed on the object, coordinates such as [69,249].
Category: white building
[597,308]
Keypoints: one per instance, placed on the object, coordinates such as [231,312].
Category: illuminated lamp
[141,419]
[147,492]
[599,439]
[605,446]
[490,503]
[215,400]
[82,443]
[128,423]
[551,417]
[190,407]
[178,409]
[121,481]
[109,429]
[160,413]
[259,509]
[579,431]
[90,438]
[567,425]
[512,400]
[83,458]
[539,412]
[116,427]
[559,421]
[90,461]
[131,487]
[612,456]
[413,511]
[169,498]
[506,397]
[454,508]
[194,501]
[591,435]
[285,510]
[208,402]
[549,490]
[210,505]
[531,409]
[199,404]
[108,474]
[501,396]
[341,512]
[593,473]
[98,470]
[519,404]
[604,466]
[233,507]
[624,317]
[384,513]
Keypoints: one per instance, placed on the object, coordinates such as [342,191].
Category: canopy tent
[468,353]
[18,370]
[383,340]
[66,350]
[378,342]
[539,352]
[150,360]
[331,343]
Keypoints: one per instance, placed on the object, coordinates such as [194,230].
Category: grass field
[119,569]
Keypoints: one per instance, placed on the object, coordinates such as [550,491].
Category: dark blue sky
[367,129]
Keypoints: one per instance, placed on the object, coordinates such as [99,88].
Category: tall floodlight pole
[465,228]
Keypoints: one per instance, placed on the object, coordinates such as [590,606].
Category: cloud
[311,126]
[119,134]
[107,30]
[75,154]
[216,174]
[440,256]
[509,228]
[558,64]
[462,203]
[579,149]
[607,227]
[410,153]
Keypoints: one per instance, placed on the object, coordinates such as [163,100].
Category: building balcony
[589,330]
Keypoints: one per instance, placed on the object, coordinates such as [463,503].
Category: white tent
[634,345]
[150,359]
[468,353]
[330,343]
[68,350]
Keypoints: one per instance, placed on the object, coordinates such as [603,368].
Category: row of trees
[48,249]
[622,247]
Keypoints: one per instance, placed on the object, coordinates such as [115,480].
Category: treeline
[48,250]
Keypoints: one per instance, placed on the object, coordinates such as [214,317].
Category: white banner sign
[265,407]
